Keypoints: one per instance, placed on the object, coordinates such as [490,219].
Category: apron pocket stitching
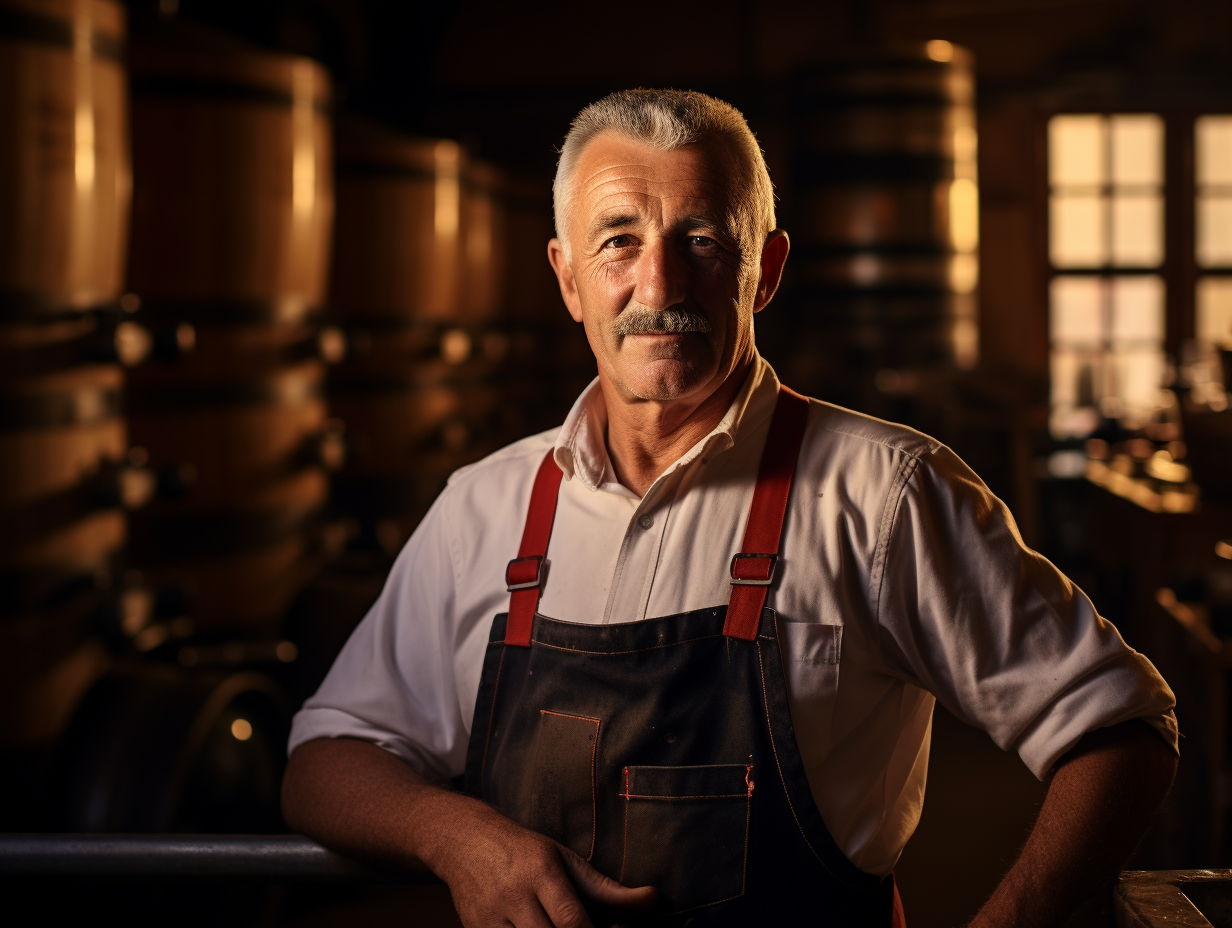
[656,838]
[594,749]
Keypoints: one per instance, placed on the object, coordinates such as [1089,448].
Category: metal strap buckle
[520,564]
[773,560]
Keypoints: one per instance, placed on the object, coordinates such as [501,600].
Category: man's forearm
[1099,803]
[362,801]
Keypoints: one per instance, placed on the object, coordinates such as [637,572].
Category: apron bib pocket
[561,803]
[686,832]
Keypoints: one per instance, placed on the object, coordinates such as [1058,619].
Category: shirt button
[646,521]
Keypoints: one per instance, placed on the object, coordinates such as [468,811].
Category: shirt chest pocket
[812,654]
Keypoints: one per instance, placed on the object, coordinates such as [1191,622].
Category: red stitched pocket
[686,832]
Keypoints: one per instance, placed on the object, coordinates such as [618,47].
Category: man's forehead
[614,172]
[610,160]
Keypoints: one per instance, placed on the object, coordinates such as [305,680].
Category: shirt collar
[581,446]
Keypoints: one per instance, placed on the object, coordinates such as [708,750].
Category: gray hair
[667,120]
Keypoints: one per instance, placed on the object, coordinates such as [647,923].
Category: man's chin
[666,379]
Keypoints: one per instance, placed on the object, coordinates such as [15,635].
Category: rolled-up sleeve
[1001,637]
[393,682]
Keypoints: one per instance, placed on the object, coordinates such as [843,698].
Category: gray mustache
[660,322]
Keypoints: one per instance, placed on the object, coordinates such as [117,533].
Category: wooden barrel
[65,482]
[883,216]
[65,180]
[485,233]
[417,282]
[233,205]
[64,155]
[154,748]
[549,361]
[233,179]
[246,410]
[399,252]
[413,416]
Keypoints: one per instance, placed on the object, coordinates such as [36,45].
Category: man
[715,761]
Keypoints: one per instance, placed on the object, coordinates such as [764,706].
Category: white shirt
[902,578]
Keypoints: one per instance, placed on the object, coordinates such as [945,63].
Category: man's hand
[505,874]
[1102,797]
[364,802]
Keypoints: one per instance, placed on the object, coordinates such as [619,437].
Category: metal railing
[232,858]
[1142,899]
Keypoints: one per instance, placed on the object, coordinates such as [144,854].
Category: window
[1213,238]
[1105,246]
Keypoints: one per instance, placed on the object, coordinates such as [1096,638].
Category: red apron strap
[752,570]
[524,575]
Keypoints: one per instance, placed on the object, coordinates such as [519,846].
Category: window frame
[1179,269]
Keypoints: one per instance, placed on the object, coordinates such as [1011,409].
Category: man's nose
[661,275]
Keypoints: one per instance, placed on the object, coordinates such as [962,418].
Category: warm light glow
[1107,350]
[939,50]
[1076,312]
[966,342]
[1137,149]
[964,273]
[241,729]
[1213,150]
[455,346]
[1213,316]
[83,118]
[1214,230]
[1076,230]
[964,215]
[964,143]
[1137,230]
[1106,181]
[1106,210]
[304,151]
[448,204]
[1076,151]
[1213,170]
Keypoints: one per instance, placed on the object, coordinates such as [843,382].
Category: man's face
[656,274]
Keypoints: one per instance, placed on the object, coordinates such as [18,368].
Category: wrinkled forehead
[615,172]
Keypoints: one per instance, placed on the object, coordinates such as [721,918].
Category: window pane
[1076,313]
[1214,149]
[1214,312]
[1076,235]
[1137,231]
[1076,150]
[1137,376]
[1074,375]
[1137,311]
[1214,231]
[1137,149]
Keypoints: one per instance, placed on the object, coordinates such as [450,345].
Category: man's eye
[618,241]
[702,241]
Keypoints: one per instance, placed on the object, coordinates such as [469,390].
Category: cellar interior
[270,271]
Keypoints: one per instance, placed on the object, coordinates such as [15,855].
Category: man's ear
[564,277]
[773,257]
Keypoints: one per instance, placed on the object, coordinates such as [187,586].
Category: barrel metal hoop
[47,30]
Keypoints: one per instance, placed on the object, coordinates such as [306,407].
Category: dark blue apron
[662,751]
